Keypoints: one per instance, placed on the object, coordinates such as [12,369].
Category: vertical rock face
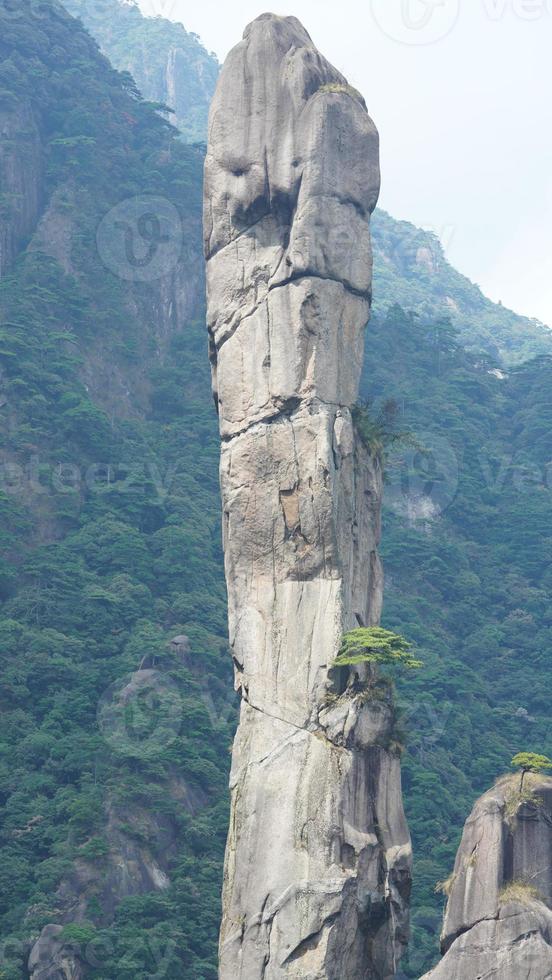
[168,63]
[21,168]
[318,858]
[52,959]
[498,923]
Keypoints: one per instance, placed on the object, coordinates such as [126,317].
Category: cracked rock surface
[317,873]
[498,923]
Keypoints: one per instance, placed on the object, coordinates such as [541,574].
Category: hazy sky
[461,91]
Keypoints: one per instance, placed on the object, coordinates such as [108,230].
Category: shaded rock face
[317,869]
[52,959]
[141,845]
[168,63]
[21,173]
[498,923]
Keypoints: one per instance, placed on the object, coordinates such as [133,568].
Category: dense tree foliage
[110,532]
[168,63]
[466,551]
[377,646]
[530,762]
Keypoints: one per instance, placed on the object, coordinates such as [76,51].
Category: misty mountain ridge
[171,66]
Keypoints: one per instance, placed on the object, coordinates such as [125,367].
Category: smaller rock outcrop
[52,958]
[498,921]
[141,844]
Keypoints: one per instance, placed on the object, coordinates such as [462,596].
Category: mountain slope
[466,548]
[410,269]
[168,64]
[115,682]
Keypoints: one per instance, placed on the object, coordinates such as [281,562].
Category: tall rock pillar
[317,868]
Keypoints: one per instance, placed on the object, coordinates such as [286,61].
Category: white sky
[461,91]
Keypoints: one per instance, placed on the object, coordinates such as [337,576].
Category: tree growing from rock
[378,646]
[530,762]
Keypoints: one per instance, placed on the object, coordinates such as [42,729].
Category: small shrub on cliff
[523,793]
[377,428]
[375,645]
[79,933]
[530,762]
[340,87]
[445,887]
[519,892]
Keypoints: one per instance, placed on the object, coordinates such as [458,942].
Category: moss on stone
[341,88]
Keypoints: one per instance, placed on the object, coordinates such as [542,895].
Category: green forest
[111,551]
[468,579]
[168,63]
[111,538]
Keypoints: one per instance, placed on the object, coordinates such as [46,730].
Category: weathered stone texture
[52,959]
[498,923]
[318,859]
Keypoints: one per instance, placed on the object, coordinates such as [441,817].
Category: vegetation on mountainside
[411,271]
[110,535]
[468,580]
[377,428]
[168,63]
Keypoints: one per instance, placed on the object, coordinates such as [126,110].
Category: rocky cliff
[317,869]
[168,63]
[411,268]
[498,922]
[21,173]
